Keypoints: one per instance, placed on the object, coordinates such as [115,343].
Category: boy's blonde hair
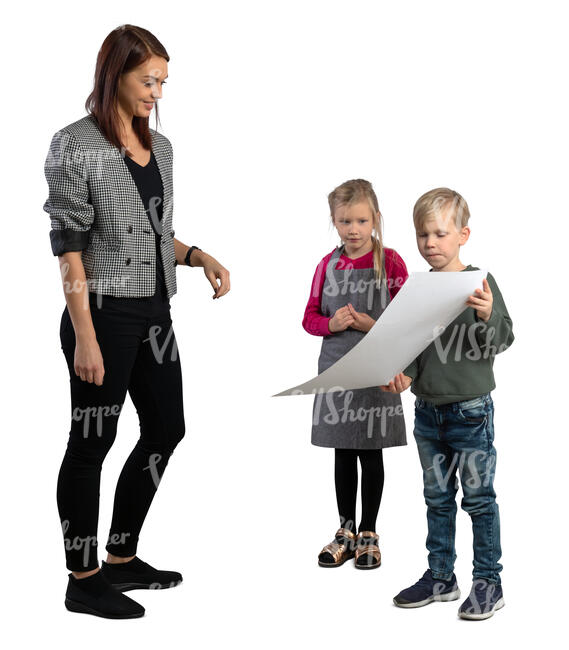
[434,202]
[354,191]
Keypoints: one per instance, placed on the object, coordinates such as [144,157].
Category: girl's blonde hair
[352,192]
[432,204]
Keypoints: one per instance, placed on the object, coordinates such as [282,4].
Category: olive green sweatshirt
[458,364]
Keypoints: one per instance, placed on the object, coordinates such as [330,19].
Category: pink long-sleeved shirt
[396,272]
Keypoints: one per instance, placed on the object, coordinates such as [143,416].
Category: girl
[351,288]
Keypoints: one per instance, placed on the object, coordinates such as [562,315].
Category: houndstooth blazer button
[127,261]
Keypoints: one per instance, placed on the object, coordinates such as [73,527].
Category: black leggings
[346,478]
[140,356]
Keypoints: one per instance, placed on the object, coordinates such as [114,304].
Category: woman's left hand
[215,271]
[362,322]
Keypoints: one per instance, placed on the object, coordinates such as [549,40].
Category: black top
[149,183]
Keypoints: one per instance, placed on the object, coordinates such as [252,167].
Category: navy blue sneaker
[484,599]
[426,590]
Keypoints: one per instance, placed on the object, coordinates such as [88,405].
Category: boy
[454,417]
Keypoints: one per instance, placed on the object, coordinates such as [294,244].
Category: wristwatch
[187,258]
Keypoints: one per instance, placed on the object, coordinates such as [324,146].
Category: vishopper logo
[476,467]
[473,341]
[350,524]
[90,163]
[350,286]
[77,543]
[159,351]
[152,212]
[103,285]
[94,160]
[335,288]
[117,538]
[484,589]
[439,588]
[153,461]
[344,414]
[97,413]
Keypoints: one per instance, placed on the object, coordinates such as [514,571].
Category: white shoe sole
[453,595]
[478,617]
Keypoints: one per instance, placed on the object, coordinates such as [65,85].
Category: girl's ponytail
[377,258]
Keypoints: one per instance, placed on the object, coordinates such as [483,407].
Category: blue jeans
[451,437]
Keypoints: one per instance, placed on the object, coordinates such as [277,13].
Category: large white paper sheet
[424,306]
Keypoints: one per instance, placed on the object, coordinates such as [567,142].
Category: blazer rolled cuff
[66,240]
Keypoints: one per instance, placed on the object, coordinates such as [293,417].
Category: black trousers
[346,479]
[140,355]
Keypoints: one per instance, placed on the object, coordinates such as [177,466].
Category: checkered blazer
[95,207]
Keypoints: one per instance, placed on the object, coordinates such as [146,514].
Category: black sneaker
[136,574]
[95,595]
[484,599]
[426,590]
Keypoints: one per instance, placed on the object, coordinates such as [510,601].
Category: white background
[269,106]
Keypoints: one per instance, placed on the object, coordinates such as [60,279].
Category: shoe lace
[425,581]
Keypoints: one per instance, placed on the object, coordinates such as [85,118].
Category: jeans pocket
[473,411]
[473,414]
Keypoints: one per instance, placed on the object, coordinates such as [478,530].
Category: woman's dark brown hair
[125,48]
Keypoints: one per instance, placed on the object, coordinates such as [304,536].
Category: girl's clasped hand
[348,317]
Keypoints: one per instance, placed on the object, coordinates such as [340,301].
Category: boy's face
[354,224]
[439,241]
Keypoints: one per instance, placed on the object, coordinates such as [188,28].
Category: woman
[110,203]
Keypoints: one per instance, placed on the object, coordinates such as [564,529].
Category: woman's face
[354,224]
[141,87]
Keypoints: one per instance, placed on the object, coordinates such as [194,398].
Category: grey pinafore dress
[362,418]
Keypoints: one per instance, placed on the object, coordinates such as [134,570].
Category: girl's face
[140,88]
[439,242]
[354,224]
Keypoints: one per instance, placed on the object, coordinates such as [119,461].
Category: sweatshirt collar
[468,268]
